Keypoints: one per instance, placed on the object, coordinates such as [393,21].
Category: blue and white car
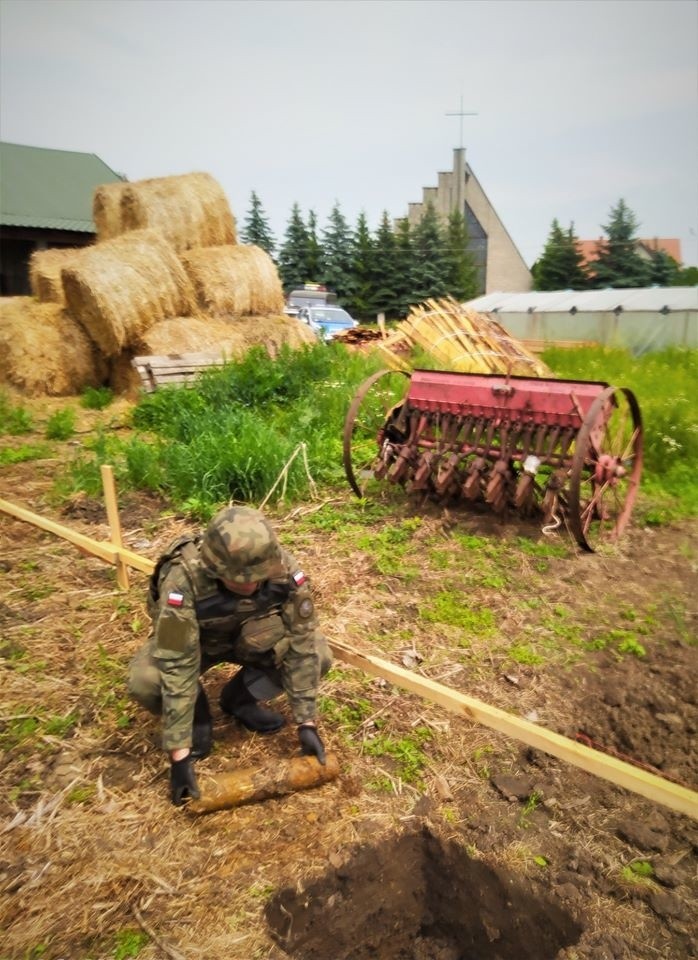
[327,322]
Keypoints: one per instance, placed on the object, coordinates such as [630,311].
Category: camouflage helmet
[240,546]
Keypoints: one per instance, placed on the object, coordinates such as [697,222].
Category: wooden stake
[114,522]
[277,778]
[622,774]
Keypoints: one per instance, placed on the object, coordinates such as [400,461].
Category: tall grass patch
[666,386]
[233,434]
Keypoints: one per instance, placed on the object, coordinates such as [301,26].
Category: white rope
[550,528]
[284,475]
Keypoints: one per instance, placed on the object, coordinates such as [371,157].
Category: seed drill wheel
[373,402]
[606,468]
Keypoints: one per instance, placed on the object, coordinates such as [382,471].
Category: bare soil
[493,851]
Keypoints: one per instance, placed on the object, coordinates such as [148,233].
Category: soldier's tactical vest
[219,612]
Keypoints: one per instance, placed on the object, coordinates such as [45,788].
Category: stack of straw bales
[165,276]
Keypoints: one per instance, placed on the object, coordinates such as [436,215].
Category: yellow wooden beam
[104,550]
[622,774]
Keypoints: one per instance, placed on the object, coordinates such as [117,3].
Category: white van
[311,295]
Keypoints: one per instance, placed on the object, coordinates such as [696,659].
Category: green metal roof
[50,189]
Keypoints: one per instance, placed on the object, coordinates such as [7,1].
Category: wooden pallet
[174,369]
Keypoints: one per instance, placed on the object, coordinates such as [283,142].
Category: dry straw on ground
[188,211]
[45,272]
[44,350]
[122,287]
[234,280]
[106,209]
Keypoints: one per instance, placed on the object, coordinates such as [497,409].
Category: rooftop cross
[460,113]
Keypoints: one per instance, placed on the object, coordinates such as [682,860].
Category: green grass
[235,434]
[666,387]
[96,398]
[61,424]
[453,609]
[27,451]
[406,752]
[14,420]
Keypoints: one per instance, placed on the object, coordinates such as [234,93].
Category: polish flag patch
[299,577]
[175,599]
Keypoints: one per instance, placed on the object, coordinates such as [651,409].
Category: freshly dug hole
[418,898]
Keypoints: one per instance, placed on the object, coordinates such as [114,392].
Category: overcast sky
[578,103]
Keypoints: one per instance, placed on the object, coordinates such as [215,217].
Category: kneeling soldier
[233,595]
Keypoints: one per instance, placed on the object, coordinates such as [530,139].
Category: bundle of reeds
[462,340]
[45,272]
[44,351]
[106,209]
[234,280]
[121,287]
[189,211]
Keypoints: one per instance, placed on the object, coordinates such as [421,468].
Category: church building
[500,266]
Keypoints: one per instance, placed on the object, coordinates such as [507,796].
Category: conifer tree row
[386,271]
[620,259]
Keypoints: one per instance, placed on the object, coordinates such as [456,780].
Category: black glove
[183,781]
[311,744]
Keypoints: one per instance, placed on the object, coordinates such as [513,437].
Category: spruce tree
[664,270]
[405,296]
[293,255]
[461,273]
[385,281]
[618,263]
[337,254]
[431,268]
[561,265]
[314,250]
[256,229]
[360,302]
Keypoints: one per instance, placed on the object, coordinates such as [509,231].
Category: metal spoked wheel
[606,468]
[377,399]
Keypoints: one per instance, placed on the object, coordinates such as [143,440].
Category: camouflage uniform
[197,622]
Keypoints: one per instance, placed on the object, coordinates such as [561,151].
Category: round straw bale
[190,210]
[273,331]
[45,272]
[266,292]
[121,287]
[234,280]
[220,280]
[191,335]
[106,209]
[44,351]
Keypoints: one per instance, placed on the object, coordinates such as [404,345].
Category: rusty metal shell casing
[277,778]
